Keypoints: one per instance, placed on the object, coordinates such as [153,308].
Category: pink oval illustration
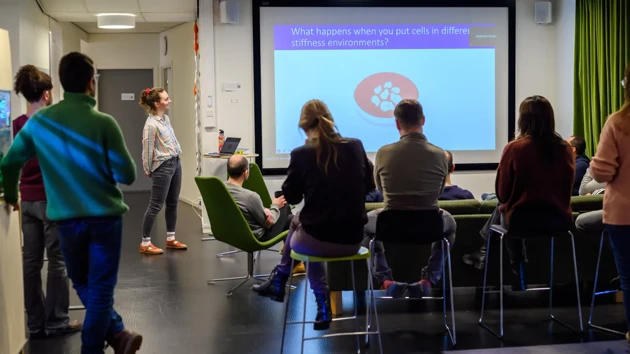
[378,94]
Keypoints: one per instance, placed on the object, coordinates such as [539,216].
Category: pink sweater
[611,164]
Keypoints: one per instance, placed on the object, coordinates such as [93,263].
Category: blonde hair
[316,116]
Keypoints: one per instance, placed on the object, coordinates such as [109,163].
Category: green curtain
[602,51]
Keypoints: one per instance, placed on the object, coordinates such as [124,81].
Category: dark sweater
[456,193]
[31,181]
[581,165]
[334,203]
[525,177]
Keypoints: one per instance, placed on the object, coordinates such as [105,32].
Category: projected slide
[362,61]
[362,71]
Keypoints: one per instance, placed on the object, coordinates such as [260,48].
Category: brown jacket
[524,177]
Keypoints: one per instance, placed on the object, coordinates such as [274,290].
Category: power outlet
[234,100]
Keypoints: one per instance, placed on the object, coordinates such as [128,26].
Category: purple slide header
[379,36]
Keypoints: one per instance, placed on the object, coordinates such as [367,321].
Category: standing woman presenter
[161,163]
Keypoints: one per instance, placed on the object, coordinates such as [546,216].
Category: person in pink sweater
[611,165]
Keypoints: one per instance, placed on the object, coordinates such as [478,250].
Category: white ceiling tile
[168,17]
[166,6]
[112,6]
[63,5]
[146,27]
[72,17]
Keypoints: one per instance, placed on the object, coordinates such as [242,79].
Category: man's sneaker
[72,327]
[125,342]
[150,249]
[394,289]
[176,245]
[420,289]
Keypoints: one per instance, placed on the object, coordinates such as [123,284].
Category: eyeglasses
[96,76]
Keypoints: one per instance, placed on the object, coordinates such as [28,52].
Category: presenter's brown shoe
[150,249]
[176,245]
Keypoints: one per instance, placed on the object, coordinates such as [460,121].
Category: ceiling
[152,16]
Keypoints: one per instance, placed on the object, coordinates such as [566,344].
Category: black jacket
[334,203]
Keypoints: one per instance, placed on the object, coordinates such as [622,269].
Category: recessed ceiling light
[116,21]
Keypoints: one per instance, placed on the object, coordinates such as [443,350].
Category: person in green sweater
[82,156]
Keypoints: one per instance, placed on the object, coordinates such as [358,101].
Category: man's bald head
[237,166]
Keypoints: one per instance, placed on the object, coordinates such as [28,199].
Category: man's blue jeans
[620,243]
[91,249]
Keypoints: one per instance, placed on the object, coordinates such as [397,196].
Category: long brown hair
[622,120]
[149,97]
[316,116]
[537,121]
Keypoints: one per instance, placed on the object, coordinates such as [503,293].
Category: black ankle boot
[476,259]
[274,287]
[324,313]
[519,277]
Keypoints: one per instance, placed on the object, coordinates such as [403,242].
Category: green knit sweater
[82,156]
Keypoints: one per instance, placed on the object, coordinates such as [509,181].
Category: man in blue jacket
[582,162]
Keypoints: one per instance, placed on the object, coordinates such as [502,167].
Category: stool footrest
[346,334]
[334,320]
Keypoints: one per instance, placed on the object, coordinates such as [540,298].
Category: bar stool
[363,254]
[417,227]
[528,222]
[604,292]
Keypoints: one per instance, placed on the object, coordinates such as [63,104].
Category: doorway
[118,95]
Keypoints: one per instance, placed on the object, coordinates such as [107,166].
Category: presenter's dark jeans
[620,243]
[167,182]
[91,249]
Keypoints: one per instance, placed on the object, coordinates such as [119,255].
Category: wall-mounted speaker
[228,10]
[542,12]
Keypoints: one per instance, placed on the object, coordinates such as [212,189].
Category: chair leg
[247,278]
[551,263]
[599,257]
[223,254]
[577,287]
[368,309]
[286,311]
[452,334]
[485,277]
[500,284]
[577,282]
[354,303]
[304,309]
[595,293]
[373,307]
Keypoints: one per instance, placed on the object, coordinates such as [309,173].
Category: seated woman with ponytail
[332,174]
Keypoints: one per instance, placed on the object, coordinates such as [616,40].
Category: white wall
[544,66]
[125,51]
[181,58]
[29,30]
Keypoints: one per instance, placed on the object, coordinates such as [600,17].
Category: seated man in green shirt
[82,156]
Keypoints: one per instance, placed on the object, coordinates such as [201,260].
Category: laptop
[229,147]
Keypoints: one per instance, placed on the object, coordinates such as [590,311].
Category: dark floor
[167,300]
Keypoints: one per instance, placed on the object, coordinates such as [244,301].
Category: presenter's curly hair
[316,116]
